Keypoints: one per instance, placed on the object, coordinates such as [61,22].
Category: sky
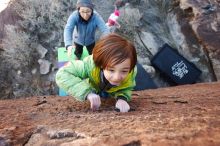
[3,4]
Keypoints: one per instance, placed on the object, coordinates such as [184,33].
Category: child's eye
[125,71]
[111,70]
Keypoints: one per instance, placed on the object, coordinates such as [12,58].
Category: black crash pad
[175,67]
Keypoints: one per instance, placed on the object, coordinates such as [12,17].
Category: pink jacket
[113,17]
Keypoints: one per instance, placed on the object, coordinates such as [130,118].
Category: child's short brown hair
[114,49]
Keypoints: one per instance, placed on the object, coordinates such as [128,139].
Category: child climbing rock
[108,73]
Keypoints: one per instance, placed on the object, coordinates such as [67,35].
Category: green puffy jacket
[80,78]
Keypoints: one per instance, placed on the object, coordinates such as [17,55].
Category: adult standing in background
[81,27]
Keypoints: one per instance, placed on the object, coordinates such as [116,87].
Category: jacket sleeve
[69,28]
[101,25]
[73,79]
[125,94]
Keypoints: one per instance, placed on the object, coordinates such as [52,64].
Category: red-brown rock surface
[184,115]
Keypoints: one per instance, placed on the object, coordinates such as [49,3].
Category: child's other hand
[69,51]
[95,101]
[122,105]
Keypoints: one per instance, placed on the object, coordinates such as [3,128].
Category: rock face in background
[174,22]
[36,30]
[8,16]
[206,25]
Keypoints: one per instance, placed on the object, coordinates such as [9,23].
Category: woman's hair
[112,50]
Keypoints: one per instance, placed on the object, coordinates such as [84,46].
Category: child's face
[116,74]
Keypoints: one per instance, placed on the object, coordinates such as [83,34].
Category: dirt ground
[183,115]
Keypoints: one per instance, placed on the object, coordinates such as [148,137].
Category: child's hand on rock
[95,101]
[122,105]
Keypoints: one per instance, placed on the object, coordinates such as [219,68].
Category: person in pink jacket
[112,20]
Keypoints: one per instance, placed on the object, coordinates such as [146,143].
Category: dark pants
[79,49]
